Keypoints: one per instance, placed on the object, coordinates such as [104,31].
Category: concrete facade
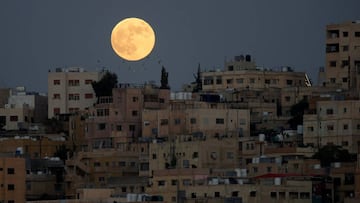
[342,63]
[70,90]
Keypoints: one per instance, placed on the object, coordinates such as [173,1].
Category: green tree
[105,85]
[331,153]
[297,113]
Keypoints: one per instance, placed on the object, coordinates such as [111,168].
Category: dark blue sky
[40,35]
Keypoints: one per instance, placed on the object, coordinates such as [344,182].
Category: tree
[164,79]
[105,85]
[198,81]
[297,112]
[331,153]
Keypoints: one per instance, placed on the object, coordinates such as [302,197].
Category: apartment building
[188,117]
[117,119]
[70,90]
[242,73]
[342,63]
[12,179]
[335,122]
[23,110]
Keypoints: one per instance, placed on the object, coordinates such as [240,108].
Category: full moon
[132,39]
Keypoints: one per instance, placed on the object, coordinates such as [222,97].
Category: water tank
[261,137]
[277,181]
[238,172]
[172,95]
[243,172]
[317,166]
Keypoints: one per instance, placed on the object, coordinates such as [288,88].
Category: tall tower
[342,65]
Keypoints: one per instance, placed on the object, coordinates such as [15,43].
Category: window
[217,194]
[74,96]
[56,96]
[332,80]
[345,34]
[332,63]
[287,98]
[229,81]
[186,182]
[267,81]
[101,126]
[135,99]
[186,163]
[268,169]
[358,126]
[255,169]
[330,127]
[208,80]
[219,121]
[229,155]
[123,189]
[56,82]
[88,82]
[273,195]
[357,34]
[10,171]
[310,128]
[345,143]
[240,81]
[252,80]
[304,195]
[56,111]
[164,121]
[195,155]
[174,182]
[193,120]
[344,63]
[13,118]
[253,194]
[293,195]
[11,187]
[118,128]
[161,183]
[11,201]
[161,100]
[134,113]
[289,82]
[132,128]
[193,195]
[101,179]
[329,111]
[154,156]
[346,126]
[345,80]
[74,83]
[345,48]
[177,121]
[218,80]
[122,163]
[89,96]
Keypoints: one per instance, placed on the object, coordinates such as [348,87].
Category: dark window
[219,121]
[118,127]
[346,126]
[357,34]
[122,163]
[174,182]
[89,96]
[10,171]
[193,120]
[253,194]
[154,156]
[56,82]
[345,34]
[101,126]
[13,118]
[132,128]
[177,121]
[134,113]
[218,80]
[273,195]
[289,82]
[332,63]
[11,187]
[345,79]
[164,121]
[135,99]
[161,182]
[329,111]
[217,194]
[88,82]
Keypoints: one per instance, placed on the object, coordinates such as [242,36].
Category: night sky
[38,35]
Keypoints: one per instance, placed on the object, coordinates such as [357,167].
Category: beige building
[334,122]
[70,90]
[188,117]
[12,179]
[242,73]
[342,64]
